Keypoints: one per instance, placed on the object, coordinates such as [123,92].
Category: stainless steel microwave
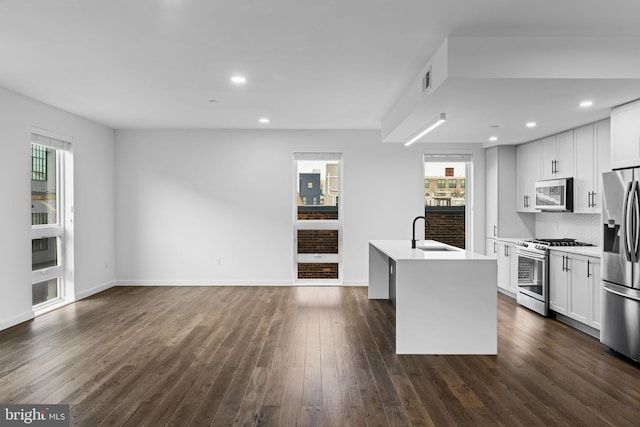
[554,195]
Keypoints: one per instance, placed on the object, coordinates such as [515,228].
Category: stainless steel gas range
[533,271]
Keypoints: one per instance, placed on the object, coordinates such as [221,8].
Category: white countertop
[594,251]
[400,250]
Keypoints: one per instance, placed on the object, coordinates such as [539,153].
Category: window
[448,209]
[50,193]
[318,217]
[426,183]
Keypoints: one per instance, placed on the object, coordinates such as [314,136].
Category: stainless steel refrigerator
[620,329]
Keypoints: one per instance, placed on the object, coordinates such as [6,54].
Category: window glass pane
[44,253]
[317,270]
[44,185]
[44,291]
[317,241]
[445,207]
[318,189]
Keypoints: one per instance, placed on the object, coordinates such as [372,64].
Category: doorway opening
[317,218]
[446,198]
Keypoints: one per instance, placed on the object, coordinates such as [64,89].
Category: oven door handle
[530,255]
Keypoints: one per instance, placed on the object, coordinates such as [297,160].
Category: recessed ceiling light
[213,101]
[493,138]
[238,80]
[264,120]
[494,126]
[531,124]
[587,103]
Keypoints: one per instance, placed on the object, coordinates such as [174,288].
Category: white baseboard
[229,283]
[93,291]
[355,283]
[15,320]
[201,283]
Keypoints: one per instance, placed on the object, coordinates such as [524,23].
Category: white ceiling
[310,64]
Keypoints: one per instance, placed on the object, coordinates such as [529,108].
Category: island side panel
[378,274]
[446,307]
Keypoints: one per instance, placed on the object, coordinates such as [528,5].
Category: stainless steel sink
[434,248]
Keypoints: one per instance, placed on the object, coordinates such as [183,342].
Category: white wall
[186,198]
[93,153]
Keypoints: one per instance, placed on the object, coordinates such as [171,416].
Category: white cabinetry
[574,287]
[592,147]
[558,283]
[491,248]
[507,267]
[528,172]
[625,136]
[596,292]
[557,155]
[501,217]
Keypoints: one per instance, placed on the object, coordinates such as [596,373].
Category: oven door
[532,280]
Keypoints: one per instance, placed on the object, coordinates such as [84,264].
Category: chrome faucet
[426,222]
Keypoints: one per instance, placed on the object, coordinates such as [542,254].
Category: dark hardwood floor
[284,356]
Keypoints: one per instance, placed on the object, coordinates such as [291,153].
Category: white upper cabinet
[557,155]
[501,217]
[584,178]
[625,136]
[528,172]
[491,184]
[592,149]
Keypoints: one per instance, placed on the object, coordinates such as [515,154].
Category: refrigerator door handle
[622,294]
[626,223]
[636,221]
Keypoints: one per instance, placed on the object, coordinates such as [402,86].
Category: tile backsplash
[557,225]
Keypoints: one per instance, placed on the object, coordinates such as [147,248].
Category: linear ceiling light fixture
[432,126]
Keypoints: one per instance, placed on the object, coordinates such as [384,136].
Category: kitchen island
[445,297]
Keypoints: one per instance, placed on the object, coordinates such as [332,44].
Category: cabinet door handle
[495,247]
[506,251]
[526,201]
[588,268]
[494,231]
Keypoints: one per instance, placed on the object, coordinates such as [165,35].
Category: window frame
[62,229]
[325,224]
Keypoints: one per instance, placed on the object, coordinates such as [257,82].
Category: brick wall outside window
[317,242]
[447,225]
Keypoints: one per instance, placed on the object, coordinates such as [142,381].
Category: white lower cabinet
[507,267]
[558,283]
[596,293]
[574,287]
[491,247]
